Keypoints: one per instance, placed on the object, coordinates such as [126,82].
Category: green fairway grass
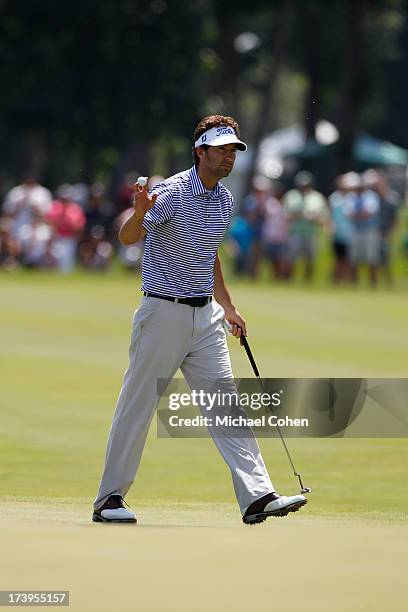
[64,350]
[199,557]
[63,353]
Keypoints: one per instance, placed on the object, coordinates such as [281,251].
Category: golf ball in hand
[142,181]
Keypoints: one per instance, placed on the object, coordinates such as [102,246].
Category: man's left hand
[238,325]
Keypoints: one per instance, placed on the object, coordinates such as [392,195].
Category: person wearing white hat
[307,210]
[180,323]
[363,209]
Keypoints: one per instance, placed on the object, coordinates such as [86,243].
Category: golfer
[179,323]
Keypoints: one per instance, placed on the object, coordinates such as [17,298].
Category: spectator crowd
[78,225]
[284,227]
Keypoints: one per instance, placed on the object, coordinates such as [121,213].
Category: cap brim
[228,139]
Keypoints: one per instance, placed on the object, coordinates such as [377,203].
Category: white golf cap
[218,136]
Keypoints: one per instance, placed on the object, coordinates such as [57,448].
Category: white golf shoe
[272,504]
[114,511]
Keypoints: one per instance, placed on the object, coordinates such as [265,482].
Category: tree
[86,76]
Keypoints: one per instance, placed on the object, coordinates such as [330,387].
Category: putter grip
[249,353]
[245,344]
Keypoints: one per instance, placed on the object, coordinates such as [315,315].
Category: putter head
[305,490]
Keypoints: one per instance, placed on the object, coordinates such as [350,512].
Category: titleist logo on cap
[218,136]
[219,131]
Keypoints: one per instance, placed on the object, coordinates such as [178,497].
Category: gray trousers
[167,336]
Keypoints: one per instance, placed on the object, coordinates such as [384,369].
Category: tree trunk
[311,44]
[32,153]
[351,92]
[283,30]
[227,79]
[135,158]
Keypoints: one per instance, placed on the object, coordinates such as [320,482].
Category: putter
[248,351]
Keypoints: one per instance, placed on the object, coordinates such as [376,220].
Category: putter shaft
[248,351]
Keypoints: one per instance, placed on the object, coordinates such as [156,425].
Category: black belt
[196,302]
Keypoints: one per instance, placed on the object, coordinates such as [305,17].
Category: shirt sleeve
[349,204]
[11,201]
[163,209]
[230,211]
[292,203]
[372,203]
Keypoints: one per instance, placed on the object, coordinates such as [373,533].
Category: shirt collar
[198,187]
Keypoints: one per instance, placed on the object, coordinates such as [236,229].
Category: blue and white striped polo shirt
[185,227]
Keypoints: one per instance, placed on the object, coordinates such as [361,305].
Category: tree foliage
[90,84]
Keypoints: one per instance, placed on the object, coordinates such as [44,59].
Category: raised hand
[141,201]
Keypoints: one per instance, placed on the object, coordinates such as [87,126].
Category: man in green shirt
[307,210]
